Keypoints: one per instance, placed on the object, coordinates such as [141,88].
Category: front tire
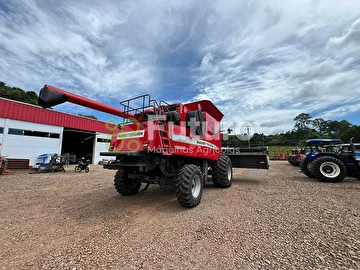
[296,161]
[328,169]
[189,186]
[305,166]
[77,169]
[291,160]
[124,185]
[222,172]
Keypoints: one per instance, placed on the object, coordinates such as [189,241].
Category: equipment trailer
[164,144]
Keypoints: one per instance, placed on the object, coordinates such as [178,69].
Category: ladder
[164,133]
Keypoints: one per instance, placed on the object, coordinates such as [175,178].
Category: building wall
[23,145]
[28,140]
[2,130]
[100,146]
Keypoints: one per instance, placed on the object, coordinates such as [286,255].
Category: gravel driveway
[276,219]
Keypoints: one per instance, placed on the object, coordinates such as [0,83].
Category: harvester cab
[161,143]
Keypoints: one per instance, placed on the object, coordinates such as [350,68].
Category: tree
[88,116]
[319,125]
[15,93]
[302,121]
[339,128]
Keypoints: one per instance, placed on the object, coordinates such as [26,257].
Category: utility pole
[248,134]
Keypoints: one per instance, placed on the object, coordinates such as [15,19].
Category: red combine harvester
[165,144]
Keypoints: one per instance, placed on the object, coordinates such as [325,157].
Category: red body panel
[145,136]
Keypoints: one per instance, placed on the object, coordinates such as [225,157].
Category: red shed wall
[31,113]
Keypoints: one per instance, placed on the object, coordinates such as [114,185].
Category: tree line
[305,127]
[18,94]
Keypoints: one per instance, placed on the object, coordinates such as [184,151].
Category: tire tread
[219,174]
[315,169]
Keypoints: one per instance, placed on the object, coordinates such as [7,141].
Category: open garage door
[78,144]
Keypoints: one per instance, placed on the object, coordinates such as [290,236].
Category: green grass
[274,149]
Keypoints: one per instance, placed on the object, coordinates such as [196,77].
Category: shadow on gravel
[108,203]
[249,181]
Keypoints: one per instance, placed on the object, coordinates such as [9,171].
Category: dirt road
[267,219]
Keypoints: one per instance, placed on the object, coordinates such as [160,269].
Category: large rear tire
[124,185]
[189,186]
[328,169]
[305,166]
[222,172]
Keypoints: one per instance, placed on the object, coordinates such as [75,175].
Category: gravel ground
[276,219]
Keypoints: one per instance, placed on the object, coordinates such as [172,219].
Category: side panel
[207,146]
[101,144]
[20,146]
[2,132]
[250,161]
[312,156]
[33,126]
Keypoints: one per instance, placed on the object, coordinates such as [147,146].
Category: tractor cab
[43,160]
[49,162]
[322,145]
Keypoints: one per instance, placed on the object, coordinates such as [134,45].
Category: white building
[27,131]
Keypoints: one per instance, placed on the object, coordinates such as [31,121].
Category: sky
[259,61]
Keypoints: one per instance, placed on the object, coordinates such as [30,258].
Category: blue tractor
[50,162]
[330,160]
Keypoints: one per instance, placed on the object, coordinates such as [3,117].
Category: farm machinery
[50,162]
[296,156]
[164,144]
[3,164]
[330,160]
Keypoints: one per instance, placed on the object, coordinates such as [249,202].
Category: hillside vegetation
[18,94]
[305,127]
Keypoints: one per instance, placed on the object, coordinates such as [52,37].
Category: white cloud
[347,44]
[73,46]
[274,72]
[261,61]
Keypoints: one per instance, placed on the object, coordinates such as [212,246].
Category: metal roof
[323,140]
[31,113]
